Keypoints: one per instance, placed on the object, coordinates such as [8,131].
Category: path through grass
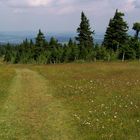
[31,112]
[91,101]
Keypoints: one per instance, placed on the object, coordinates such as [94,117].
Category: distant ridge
[18,37]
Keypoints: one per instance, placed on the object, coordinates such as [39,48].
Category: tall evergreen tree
[116,33]
[73,47]
[53,42]
[40,39]
[85,35]
[136,27]
[70,43]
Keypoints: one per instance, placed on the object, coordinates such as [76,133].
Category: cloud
[137,3]
[63,14]
[53,6]
[26,3]
[70,6]
[35,3]
[125,5]
[38,3]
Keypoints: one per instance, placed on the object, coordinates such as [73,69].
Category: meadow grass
[90,101]
[103,98]
[6,75]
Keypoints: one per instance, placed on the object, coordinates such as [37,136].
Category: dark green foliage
[85,37]
[101,53]
[40,39]
[117,45]
[53,42]
[75,51]
[116,34]
[136,27]
[126,53]
[134,44]
[10,53]
[2,50]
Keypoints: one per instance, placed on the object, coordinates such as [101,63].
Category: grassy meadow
[89,101]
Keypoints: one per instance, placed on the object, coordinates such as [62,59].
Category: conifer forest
[117,45]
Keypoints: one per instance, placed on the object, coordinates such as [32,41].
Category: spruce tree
[70,43]
[136,27]
[116,33]
[85,36]
[73,47]
[40,39]
[53,42]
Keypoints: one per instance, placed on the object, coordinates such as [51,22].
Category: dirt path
[32,113]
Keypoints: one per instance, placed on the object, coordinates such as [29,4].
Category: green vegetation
[136,27]
[84,38]
[74,101]
[116,34]
[87,101]
[6,76]
[117,45]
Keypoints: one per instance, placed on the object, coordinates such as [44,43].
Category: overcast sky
[63,15]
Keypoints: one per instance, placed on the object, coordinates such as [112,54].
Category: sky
[63,15]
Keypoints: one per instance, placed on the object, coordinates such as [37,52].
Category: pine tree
[31,43]
[136,27]
[85,36]
[40,39]
[53,42]
[116,33]
[70,43]
[75,51]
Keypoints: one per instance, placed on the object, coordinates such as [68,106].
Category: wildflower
[120,106]
[90,111]
[136,106]
[131,103]
[102,105]
[115,117]
[104,113]
[88,123]
[106,107]
[97,120]
[114,103]
[138,121]
[128,83]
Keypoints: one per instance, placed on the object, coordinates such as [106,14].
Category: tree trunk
[123,57]
[137,34]
[109,58]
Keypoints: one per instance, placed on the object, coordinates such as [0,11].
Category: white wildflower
[115,117]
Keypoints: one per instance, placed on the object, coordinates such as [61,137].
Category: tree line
[117,45]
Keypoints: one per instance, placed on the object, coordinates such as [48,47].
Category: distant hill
[18,37]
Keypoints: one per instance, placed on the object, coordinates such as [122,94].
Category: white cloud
[121,4]
[63,7]
[66,13]
[36,3]
[27,3]
[137,3]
